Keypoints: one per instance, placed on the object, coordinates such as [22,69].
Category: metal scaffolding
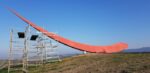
[47,51]
[50,50]
[18,52]
[29,48]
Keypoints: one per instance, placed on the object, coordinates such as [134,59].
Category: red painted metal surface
[84,47]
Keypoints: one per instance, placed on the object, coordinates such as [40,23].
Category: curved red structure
[84,47]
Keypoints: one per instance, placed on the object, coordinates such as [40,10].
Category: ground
[97,63]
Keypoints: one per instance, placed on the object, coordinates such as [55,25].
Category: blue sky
[96,22]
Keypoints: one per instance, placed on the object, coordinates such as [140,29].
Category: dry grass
[99,63]
[102,63]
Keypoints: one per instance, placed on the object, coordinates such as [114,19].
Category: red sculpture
[83,47]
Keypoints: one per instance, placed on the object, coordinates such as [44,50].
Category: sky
[95,22]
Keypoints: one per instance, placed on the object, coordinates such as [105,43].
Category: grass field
[97,63]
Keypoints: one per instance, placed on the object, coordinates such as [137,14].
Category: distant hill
[3,63]
[143,49]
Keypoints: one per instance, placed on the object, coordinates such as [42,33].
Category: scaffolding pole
[10,50]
